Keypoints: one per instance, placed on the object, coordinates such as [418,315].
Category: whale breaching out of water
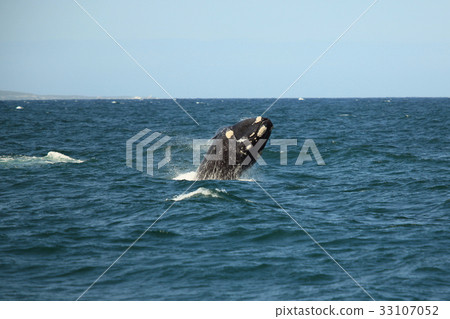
[235,149]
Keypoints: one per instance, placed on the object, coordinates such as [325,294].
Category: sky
[226,49]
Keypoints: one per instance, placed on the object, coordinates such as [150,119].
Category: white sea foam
[189,176]
[50,158]
[56,157]
[192,176]
[201,191]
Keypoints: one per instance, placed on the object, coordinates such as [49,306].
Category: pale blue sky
[226,48]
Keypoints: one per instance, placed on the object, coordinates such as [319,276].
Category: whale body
[235,149]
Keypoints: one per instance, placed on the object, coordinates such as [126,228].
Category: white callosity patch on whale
[229,134]
[261,131]
[258,119]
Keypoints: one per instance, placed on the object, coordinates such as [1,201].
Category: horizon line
[9,95]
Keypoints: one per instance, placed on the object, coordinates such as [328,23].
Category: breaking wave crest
[201,191]
[189,176]
[192,176]
[50,158]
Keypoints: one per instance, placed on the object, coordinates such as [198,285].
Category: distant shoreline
[21,96]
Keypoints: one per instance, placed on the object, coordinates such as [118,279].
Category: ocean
[372,223]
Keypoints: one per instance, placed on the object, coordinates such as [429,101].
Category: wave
[51,158]
[189,176]
[56,157]
[201,191]
[192,176]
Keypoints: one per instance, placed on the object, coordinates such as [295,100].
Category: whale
[235,149]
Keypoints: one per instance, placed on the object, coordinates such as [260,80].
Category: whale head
[252,129]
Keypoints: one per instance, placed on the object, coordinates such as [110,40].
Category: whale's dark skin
[232,149]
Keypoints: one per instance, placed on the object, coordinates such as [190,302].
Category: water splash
[201,191]
[51,158]
[189,176]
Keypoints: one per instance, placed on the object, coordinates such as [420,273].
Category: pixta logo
[142,147]
[143,142]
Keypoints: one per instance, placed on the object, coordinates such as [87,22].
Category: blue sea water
[380,206]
